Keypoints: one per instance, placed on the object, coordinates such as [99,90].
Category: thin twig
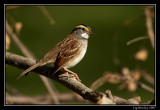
[149,27]
[136,39]
[29,54]
[11,7]
[19,44]
[147,77]
[50,90]
[48,16]
[127,76]
[115,78]
[144,86]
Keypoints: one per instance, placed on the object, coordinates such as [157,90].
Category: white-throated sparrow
[67,53]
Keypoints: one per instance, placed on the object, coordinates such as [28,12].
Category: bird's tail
[29,69]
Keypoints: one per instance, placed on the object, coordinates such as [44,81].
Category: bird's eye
[83,29]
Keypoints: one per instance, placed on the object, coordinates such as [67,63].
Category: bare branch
[149,27]
[46,13]
[12,7]
[137,39]
[20,45]
[64,79]
[144,86]
[128,80]
[41,99]
[127,76]
[147,77]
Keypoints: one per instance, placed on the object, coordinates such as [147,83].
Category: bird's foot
[72,73]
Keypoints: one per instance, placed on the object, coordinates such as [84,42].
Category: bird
[67,53]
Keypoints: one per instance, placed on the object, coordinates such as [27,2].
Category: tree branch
[68,81]
[149,27]
[41,99]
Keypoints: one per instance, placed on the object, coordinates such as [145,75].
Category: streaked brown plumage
[66,51]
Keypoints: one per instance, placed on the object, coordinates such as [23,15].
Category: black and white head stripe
[83,27]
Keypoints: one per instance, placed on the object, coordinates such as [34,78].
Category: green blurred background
[110,35]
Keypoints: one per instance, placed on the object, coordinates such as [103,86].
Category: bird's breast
[77,58]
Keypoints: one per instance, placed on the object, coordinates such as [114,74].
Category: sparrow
[67,53]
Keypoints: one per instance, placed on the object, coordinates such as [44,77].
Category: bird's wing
[67,53]
[51,56]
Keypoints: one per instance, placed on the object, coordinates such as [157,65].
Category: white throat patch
[85,35]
